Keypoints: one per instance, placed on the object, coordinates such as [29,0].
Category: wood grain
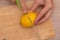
[10,28]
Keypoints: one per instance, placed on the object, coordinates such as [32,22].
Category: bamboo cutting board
[10,28]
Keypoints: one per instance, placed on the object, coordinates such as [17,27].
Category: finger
[49,2]
[23,5]
[13,0]
[44,10]
[41,14]
[46,16]
[35,5]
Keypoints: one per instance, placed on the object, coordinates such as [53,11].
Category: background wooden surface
[55,17]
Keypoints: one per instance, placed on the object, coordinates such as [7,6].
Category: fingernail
[35,23]
[25,11]
[29,11]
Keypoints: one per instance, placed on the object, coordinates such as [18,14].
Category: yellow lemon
[27,20]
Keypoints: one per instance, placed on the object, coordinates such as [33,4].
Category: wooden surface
[56,19]
[11,30]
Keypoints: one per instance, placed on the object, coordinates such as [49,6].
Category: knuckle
[53,6]
[40,2]
[46,16]
[50,6]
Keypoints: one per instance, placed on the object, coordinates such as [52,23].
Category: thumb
[22,5]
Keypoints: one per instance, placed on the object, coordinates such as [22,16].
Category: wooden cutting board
[10,28]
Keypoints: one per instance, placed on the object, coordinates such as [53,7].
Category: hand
[45,12]
[22,4]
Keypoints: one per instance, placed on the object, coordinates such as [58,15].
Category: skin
[46,11]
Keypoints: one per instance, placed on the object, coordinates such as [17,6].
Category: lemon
[27,20]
